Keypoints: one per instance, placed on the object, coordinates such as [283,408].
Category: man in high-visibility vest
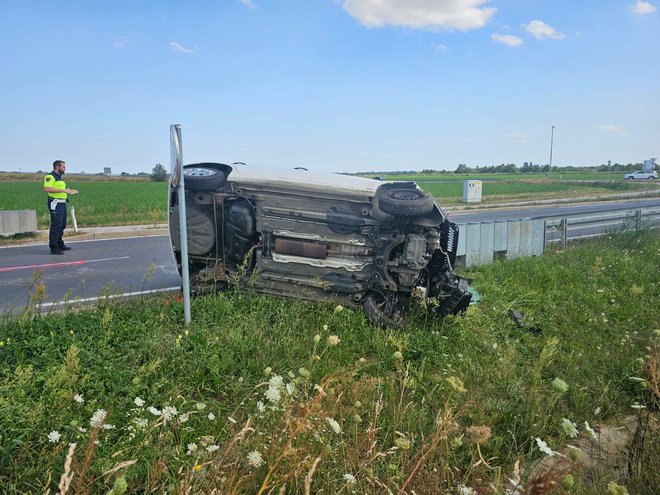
[57,199]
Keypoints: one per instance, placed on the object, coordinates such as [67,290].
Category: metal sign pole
[176,157]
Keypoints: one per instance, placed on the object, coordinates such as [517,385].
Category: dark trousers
[57,225]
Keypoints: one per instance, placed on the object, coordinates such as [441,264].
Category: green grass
[597,176]
[498,191]
[99,203]
[406,422]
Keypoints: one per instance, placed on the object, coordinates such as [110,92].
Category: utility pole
[552,138]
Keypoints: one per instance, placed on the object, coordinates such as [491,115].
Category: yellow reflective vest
[55,180]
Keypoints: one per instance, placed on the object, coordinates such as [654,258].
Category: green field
[569,176]
[262,393]
[130,201]
[99,202]
[495,192]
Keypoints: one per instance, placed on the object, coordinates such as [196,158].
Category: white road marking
[112,296]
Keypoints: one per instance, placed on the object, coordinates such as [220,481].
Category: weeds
[263,395]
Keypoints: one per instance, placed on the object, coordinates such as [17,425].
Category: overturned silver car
[315,236]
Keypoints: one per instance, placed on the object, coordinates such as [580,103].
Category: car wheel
[408,202]
[375,308]
[203,178]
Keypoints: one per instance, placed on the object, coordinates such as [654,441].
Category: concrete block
[11,222]
[526,238]
[473,244]
[487,238]
[27,220]
[500,235]
[513,239]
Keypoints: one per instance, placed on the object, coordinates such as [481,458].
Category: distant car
[642,174]
[318,236]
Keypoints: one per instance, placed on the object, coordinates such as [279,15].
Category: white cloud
[177,47]
[540,30]
[614,129]
[121,42]
[641,8]
[440,47]
[462,15]
[249,3]
[520,137]
[506,39]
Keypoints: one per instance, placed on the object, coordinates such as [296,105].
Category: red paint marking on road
[44,265]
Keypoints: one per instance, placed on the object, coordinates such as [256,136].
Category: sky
[335,85]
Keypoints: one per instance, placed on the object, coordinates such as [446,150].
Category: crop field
[129,201]
[269,396]
[497,191]
[99,202]
[568,176]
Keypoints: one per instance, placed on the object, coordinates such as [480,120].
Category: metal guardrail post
[638,220]
[563,226]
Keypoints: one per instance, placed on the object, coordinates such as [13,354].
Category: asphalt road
[91,269]
[136,265]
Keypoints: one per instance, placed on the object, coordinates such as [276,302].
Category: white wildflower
[333,340]
[200,406]
[597,411]
[276,381]
[590,430]
[334,425]
[107,426]
[98,418]
[261,407]
[192,447]
[543,447]
[169,413]
[465,490]
[350,479]
[141,423]
[212,448]
[273,395]
[79,399]
[211,416]
[54,436]
[569,427]
[154,411]
[255,458]
[138,402]
[183,418]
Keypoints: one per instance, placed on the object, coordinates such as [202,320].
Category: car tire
[374,307]
[406,202]
[203,178]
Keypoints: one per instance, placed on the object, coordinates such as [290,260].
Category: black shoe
[56,251]
[65,248]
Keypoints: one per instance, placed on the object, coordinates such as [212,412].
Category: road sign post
[177,181]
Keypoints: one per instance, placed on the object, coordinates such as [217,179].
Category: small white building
[472,191]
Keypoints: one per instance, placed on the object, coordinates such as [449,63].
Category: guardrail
[17,221]
[482,242]
[580,226]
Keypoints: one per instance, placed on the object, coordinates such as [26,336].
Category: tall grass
[264,395]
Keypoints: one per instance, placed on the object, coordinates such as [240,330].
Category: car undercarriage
[319,237]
